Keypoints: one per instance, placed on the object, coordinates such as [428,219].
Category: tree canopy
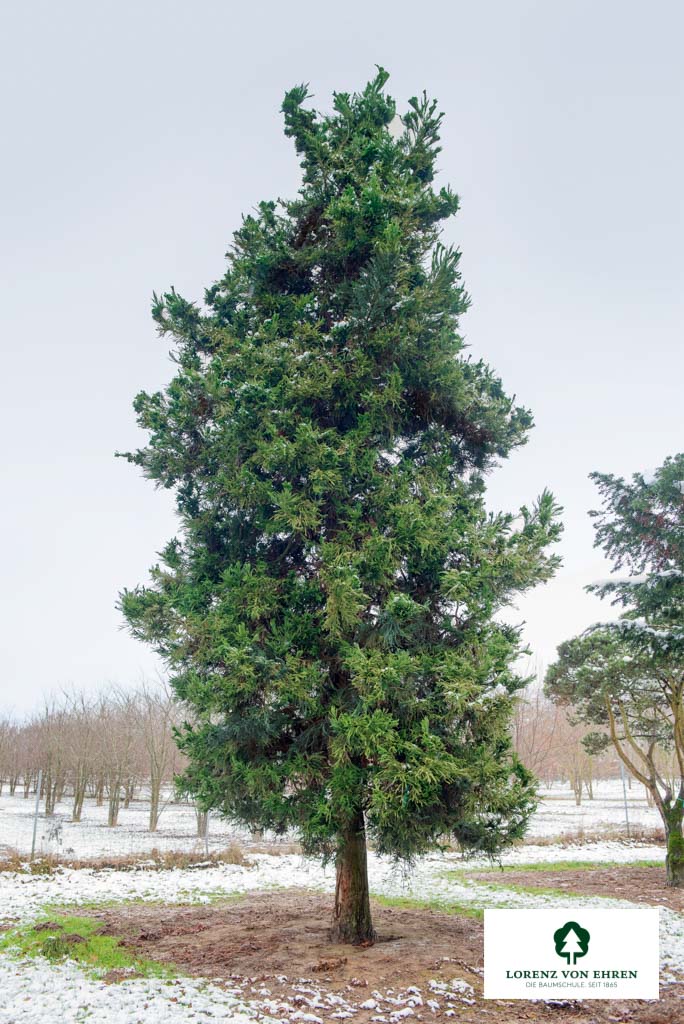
[328,609]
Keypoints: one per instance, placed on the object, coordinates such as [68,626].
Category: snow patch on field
[38,991]
[91,837]
[432,878]
[587,853]
[34,991]
[557,815]
[22,895]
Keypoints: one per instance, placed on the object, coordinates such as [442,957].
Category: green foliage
[641,528]
[327,612]
[628,676]
[598,674]
[77,938]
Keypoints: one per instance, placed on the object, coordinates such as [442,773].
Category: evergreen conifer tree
[327,611]
[628,676]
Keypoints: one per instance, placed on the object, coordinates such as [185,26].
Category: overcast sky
[136,134]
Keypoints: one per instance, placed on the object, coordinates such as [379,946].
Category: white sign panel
[571,953]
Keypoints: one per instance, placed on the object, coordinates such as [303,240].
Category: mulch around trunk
[274,947]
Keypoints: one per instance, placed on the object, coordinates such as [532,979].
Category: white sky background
[134,137]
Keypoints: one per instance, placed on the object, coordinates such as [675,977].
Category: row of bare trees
[113,746]
[549,742]
[108,747]
[550,745]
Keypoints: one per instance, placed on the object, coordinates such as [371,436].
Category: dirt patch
[117,975]
[272,949]
[285,934]
[638,884]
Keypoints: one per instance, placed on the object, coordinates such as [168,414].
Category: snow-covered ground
[32,991]
[91,837]
[432,878]
[36,991]
[557,816]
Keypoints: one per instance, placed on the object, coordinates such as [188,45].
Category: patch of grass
[13,862]
[559,865]
[44,865]
[443,906]
[198,899]
[536,890]
[67,937]
[505,886]
[233,854]
[92,906]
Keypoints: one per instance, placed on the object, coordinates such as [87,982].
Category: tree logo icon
[572,941]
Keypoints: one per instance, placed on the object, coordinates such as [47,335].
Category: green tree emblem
[571,941]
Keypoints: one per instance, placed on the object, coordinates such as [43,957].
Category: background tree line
[110,747]
[552,743]
[119,746]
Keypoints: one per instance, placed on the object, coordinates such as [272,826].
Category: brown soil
[640,885]
[273,949]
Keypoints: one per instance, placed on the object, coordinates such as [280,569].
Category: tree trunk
[202,821]
[129,792]
[576,784]
[77,810]
[155,797]
[49,790]
[352,917]
[60,786]
[589,786]
[115,784]
[79,793]
[674,862]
